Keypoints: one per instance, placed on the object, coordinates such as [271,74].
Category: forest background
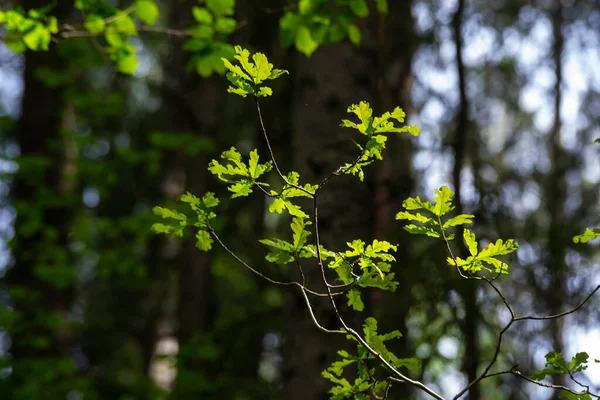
[100,127]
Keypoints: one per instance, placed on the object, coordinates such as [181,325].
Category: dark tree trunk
[40,282]
[467,289]
[334,77]
[190,105]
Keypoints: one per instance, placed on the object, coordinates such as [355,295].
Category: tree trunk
[557,196]
[334,77]
[40,281]
[467,289]
[190,105]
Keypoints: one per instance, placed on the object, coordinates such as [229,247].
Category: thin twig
[247,266]
[272,155]
[513,319]
[400,376]
[560,314]
[514,371]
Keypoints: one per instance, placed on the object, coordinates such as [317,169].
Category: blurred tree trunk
[462,138]
[190,104]
[394,181]
[556,196]
[44,192]
[377,71]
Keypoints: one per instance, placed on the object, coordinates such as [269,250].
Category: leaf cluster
[373,261]
[556,365]
[589,234]
[319,22]
[367,373]
[208,42]
[434,223]
[241,176]
[478,259]
[291,189]
[118,26]
[176,221]
[248,76]
[373,128]
[286,252]
[32,30]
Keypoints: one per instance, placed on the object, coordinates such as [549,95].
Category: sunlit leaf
[354,300]
[589,234]
[147,11]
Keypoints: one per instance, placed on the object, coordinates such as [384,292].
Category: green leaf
[382,6]
[364,112]
[305,42]
[147,11]
[94,23]
[354,34]
[461,219]
[264,91]
[422,230]
[337,367]
[412,364]
[578,362]
[288,28]
[295,210]
[470,241]
[221,7]
[241,176]
[555,360]
[124,24]
[225,25]
[306,6]
[300,235]
[209,200]
[256,169]
[354,299]
[357,247]
[277,206]
[204,241]
[498,249]
[263,67]
[241,189]
[589,234]
[278,244]
[443,201]
[113,37]
[202,15]
[279,257]
[414,217]
[16,46]
[37,37]
[359,7]
[168,213]
[563,394]
[128,64]
[173,228]
[415,203]
[249,75]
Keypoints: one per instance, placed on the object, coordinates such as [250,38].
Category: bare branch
[264,130]
[514,371]
[571,311]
